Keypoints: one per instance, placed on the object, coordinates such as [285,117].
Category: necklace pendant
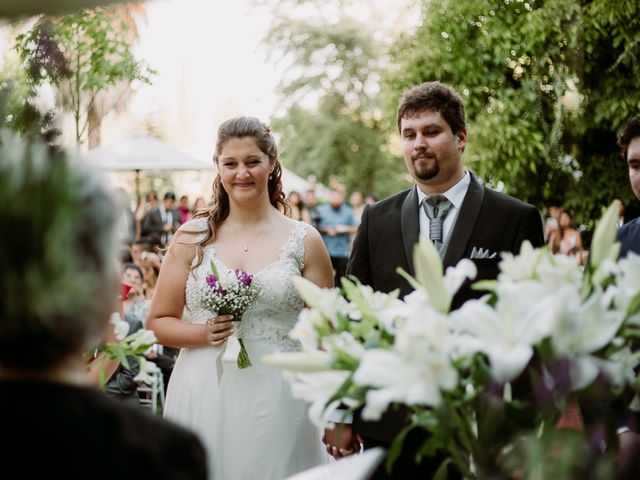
[246,248]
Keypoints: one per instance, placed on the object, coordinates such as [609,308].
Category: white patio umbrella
[143,152]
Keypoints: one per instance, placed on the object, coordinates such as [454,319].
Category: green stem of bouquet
[243,360]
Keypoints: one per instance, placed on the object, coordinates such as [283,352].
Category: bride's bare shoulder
[186,239]
[193,231]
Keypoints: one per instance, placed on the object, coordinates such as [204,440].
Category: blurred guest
[136,305]
[566,238]
[551,224]
[126,226]
[150,266]
[144,207]
[161,222]
[297,207]
[336,224]
[50,318]
[183,209]
[199,204]
[357,204]
[310,214]
[371,199]
[140,246]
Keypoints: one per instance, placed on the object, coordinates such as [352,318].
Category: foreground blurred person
[252,426]
[58,287]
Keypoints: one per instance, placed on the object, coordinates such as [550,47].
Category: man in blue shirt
[629,234]
[336,224]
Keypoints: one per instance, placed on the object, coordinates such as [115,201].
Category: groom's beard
[426,165]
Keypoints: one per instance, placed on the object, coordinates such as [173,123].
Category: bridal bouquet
[487,382]
[229,293]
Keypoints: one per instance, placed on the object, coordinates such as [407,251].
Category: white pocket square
[477,253]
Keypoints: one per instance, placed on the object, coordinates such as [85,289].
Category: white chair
[151,391]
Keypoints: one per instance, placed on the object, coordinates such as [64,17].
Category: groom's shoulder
[392,203]
[493,198]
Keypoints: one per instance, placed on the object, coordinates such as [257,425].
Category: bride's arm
[317,264]
[165,315]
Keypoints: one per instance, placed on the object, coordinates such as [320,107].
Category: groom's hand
[341,441]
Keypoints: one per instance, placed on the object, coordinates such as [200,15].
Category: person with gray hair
[58,287]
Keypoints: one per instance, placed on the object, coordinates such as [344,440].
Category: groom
[463,219]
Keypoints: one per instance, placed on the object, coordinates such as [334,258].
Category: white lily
[399,379]
[121,328]
[327,301]
[604,246]
[454,277]
[314,361]
[318,388]
[627,281]
[428,267]
[522,266]
[305,330]
[142,338]
[508,332]
[583,329]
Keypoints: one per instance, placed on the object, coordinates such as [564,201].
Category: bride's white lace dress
[251,425]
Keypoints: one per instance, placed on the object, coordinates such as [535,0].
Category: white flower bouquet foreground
[489,381]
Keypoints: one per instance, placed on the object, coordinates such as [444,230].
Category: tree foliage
[336,62]
[546,86]
[81,54]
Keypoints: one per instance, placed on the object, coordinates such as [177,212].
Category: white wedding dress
[250,424]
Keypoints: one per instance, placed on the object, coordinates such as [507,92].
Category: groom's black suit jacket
[386,238]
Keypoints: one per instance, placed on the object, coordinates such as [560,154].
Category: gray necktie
[436,207]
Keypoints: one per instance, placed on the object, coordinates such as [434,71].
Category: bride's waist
[258,329]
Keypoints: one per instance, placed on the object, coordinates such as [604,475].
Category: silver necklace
[245,245]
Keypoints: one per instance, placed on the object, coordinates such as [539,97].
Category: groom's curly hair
[631,131]
[433,96]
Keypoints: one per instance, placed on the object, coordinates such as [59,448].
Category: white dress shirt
[455,195]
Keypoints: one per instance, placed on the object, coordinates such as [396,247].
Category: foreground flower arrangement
[134,345]
[490,380]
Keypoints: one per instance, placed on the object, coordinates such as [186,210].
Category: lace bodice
[276,310]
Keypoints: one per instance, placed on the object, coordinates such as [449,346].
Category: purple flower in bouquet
[244,278]
[230,292]
[215,285]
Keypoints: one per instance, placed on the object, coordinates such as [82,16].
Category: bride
[249,421]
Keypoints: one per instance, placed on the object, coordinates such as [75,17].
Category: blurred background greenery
[547,86]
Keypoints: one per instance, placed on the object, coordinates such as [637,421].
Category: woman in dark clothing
[58,287]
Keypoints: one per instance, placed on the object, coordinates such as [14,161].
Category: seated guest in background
[136,306]
[565,239]
[140,246]
[183,209]
[57,423]
[150,266]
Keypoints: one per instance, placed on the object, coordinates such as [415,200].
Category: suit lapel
[465,223]
[410,225]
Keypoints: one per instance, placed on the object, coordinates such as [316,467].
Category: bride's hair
[241,127]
